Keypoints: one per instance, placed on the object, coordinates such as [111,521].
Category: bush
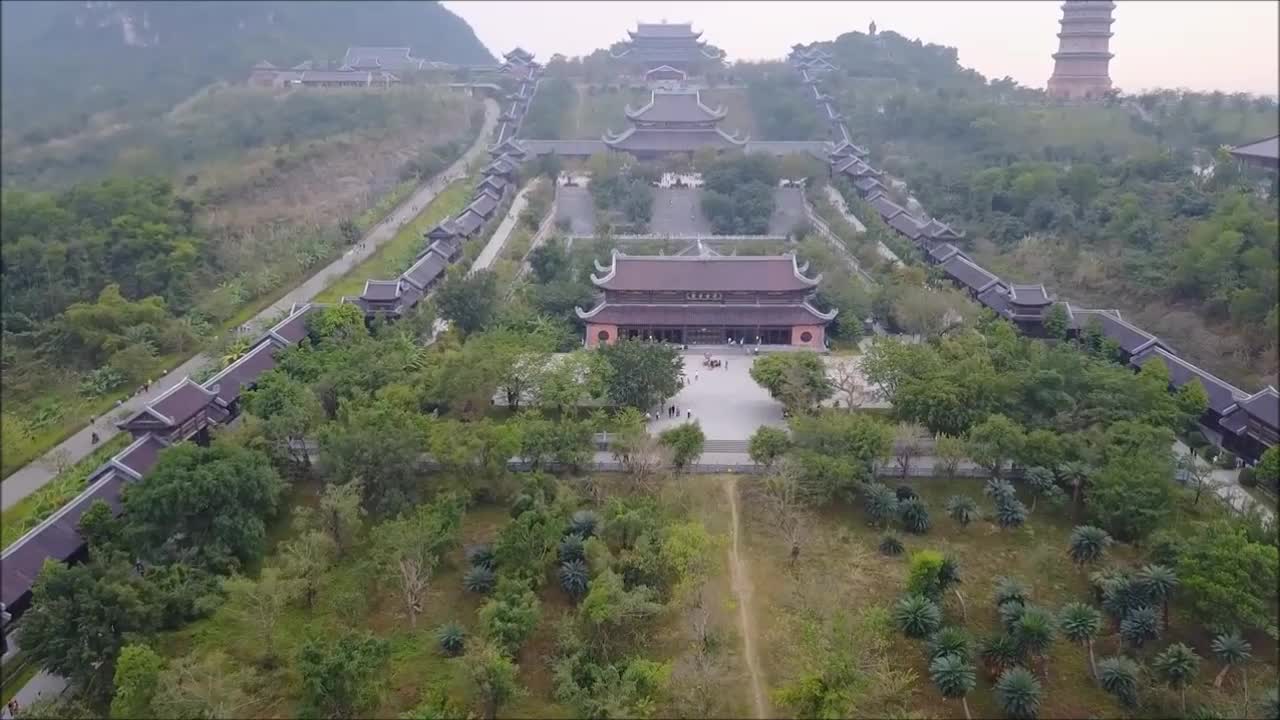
[480,556]
[480,580]
[890,545]
[452,639]
[1248,478]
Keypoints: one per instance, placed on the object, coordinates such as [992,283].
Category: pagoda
[674,45]
[1080,70]
[706,300]
[674,121]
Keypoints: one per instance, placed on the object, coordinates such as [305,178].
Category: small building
[706,300]
[666,73]
[1252,424]
[394,59]
[1264,153]
[181,412]
[970,276]
[1131,339]
[347,78]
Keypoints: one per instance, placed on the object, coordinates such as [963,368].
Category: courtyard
[725,400]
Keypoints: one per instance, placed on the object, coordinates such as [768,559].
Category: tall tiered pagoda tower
[1080,69]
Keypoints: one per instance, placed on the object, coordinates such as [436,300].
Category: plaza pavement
[725,401]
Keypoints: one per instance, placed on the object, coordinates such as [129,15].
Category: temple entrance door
[704,336]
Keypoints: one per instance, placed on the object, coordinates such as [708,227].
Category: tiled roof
[294,327]
[664,140]
[995,298]
[885,207]
[381,290]
[1029,295]
[445,229]
[968,273]
[468,223]
[484,205]
[942,253]
[763,273]
[243,372]
[1265,149]
[906,225]
[1131,338]
[675,107]
[664,30]
[567,148]
[1264,405]
[704,314]
[1222,394]
[140,456]
[426,270]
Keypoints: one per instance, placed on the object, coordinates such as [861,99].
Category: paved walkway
[498,240]
[1226,485]
[725,401]
[838,200]
[39,472]
[42,686]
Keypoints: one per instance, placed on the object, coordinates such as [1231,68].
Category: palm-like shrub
[1121,596]
[1232,650]
[480,556]
[963,509]
[1009,590]
[890,545]
[1011,514]
[1271,704]
[1157,583]
[1081,623]
[951,640]
[999,491]
[571,548]
[452,639]
[880,502]
[1035,630]
[1010,615]
[999,653]
[480,580]
[904,493]
[917,616]
[574,578]
[1042,484]
[915,516]
[1177,667]
[1119,676]
[954,678]
[1019,693]
[1087,544]
[1139,626]
[583,524]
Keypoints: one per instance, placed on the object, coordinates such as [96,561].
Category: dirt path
[742,588]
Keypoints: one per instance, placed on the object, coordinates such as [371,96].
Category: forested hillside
[1130,204]
[68,67]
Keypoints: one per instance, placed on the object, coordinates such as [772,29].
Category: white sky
[1219,45]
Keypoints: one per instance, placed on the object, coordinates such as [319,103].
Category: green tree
[340,515]
[1268,468]
[260,604]
[510,616]
[290,414]
[469,301]
[1087,544]
[1081,623]
[304,560]
[380,446]
[955,679]
[994,442]
[950,452]
[1140,626]
[1177,666]
[1056,321]
[685,442]
[408,548]
[767,444]
[1132,495]
[1019,693]
[136,680]
[207,687]
[80,618]
[491,677]
[798,380]
[1035,632]
[337,324]
[209,503]
[881,503]
[1226,577]
[923,578]
[641,374]
[835,452]
[341,676]
[1119,676]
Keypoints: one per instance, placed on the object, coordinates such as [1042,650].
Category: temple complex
[706,300]
[674,45]
[1080,67]
[674,121]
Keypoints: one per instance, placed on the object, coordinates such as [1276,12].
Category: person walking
[688,414]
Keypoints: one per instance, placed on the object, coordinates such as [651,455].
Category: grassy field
[841,568]
[394,257]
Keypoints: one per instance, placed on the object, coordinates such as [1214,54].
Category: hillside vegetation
[69,67]
[1106,204]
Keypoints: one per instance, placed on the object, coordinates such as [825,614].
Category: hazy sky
[1228,46]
